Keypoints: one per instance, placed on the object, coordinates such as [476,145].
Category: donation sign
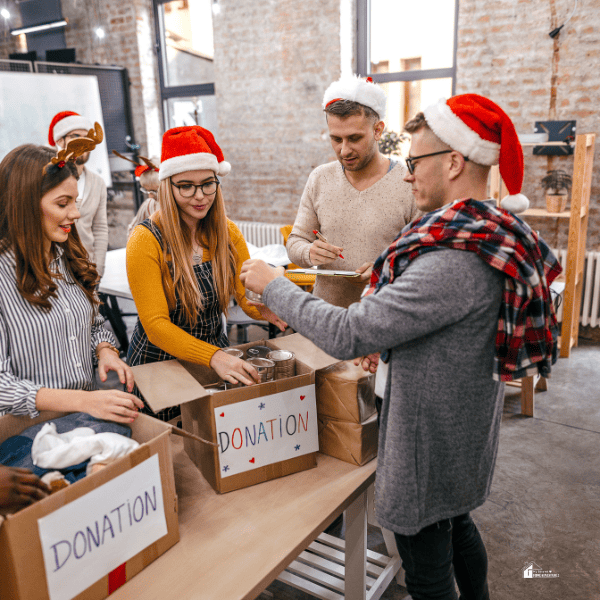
[266,430]
[91,536]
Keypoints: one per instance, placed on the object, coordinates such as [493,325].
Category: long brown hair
[23,183]
[212,233]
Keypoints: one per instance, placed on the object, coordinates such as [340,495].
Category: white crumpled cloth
[52,450]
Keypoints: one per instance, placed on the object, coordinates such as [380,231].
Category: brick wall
[505,52]
[273,61]
[129,30]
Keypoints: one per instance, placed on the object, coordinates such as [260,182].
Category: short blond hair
[416,123]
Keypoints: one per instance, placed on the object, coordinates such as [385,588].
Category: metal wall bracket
[558,131]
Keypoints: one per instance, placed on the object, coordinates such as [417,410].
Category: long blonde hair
[212,233]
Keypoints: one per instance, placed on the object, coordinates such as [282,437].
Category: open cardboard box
[32,567]
[173,382]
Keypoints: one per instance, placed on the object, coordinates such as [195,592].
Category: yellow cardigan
[144,271]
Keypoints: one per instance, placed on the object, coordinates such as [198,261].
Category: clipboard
[332,273]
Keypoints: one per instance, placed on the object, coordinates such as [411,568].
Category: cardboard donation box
[346,392]
[354,443]
[89,538]
[253,433]
[347,412]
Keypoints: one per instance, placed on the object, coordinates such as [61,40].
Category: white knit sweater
[362,223]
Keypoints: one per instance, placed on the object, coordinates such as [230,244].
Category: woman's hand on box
[368,363]
[232,369]
[20,488]
[112,405]
[109,361]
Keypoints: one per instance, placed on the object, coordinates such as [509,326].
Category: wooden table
[234,545]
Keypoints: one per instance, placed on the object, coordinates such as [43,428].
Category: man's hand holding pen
[322,252]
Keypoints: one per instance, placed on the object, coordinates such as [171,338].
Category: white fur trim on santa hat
[192,162]
[358,90]
[68,124]
[459,136]
[515,203]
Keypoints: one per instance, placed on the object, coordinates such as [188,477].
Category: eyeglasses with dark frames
[410,161]
[188,190]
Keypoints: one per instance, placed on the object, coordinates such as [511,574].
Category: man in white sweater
[359,203]
[92,226]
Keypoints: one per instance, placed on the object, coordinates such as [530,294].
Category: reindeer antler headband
[75,148]
[139,169]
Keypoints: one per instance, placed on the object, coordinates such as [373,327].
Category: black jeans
[440,553]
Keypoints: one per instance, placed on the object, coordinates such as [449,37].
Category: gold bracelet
[106,345]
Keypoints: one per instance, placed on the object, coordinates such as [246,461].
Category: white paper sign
[266,430]
[91,536]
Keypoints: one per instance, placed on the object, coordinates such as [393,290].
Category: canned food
[215,387]
[264,367]
[285,363]
[233,386]
[253,296]
[233,352]
[258,352]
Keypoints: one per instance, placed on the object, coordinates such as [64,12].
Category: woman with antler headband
[51,333]
[147,175]
[183,264]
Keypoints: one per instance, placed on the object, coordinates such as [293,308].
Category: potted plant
[390,143]
[557,185]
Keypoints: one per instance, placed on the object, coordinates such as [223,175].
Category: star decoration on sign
[297,447]
[226,468]
[261,405]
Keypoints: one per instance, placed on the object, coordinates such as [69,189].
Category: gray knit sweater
[441,412]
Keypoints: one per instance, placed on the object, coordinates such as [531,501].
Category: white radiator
[590,295]
[260,234]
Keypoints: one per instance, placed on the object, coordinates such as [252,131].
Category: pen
[322,238]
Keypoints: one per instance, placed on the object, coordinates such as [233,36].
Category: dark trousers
[441,553]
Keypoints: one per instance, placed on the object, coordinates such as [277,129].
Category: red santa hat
[363,91]
[142,169]
[64,122]
[480,130]
[191,148]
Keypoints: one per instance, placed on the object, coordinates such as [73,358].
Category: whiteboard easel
[28,101]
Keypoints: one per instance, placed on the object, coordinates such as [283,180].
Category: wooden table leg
[527,396]
[355,587]
[542,384]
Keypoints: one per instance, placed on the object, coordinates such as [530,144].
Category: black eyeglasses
[188,190]
[410,162]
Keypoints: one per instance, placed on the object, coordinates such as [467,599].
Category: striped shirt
[40,348]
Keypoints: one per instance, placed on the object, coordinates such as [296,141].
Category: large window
[410,49]
[186,62]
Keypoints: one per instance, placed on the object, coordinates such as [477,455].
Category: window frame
[363,47]
[174,91]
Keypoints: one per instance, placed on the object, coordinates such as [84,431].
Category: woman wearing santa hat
[183,264]
[51,333]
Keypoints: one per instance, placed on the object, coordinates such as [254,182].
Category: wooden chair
[305,281]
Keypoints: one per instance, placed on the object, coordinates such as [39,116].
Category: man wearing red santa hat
[359,203]
[460,304]
[92,226]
